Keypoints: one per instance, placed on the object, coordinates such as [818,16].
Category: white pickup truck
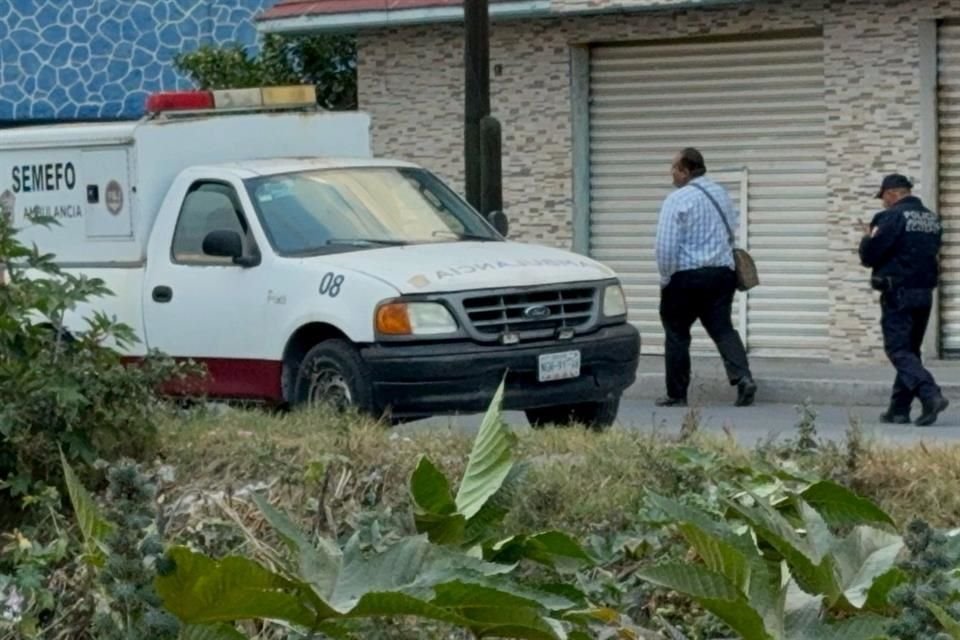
[268,244]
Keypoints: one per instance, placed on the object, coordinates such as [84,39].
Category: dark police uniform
[902,250]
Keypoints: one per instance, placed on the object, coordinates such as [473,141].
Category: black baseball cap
[894,181]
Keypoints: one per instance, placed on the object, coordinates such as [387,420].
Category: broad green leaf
[435,512]
[485,523]
[723,551]
[490,460]
[814,572]
[201,590]
[862,627]
[93,526]
[412,566]
[841,507]
[317,565]
[495,612]
[719,556]
[441,529]
[714,593]
[862,558]
[431,490]
[819,537]
[413,578]
[878,597]
[951,626]
[550,548]
[389,604]
[210,632]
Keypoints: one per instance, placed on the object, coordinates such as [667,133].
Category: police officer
[901,246]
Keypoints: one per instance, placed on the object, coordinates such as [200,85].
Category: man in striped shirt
[697,277]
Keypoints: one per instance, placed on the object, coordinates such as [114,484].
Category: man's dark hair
[692,161]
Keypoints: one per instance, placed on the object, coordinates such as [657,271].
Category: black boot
[667,401]
[931,410]
[895,416]
[746,392]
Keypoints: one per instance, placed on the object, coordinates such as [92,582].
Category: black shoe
[746,392]
[892,417]
[931,411]
[667,401]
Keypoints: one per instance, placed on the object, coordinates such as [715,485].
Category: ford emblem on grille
[537,312]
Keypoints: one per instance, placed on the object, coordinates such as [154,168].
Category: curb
[782,390]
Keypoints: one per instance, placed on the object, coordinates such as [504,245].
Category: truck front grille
[536,313]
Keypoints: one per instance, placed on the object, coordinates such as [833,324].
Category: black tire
[593,415]
[333,373]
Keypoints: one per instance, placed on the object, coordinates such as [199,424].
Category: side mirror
[499,221]
[227,244]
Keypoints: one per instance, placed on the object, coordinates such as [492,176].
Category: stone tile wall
[69,59]
[411,83]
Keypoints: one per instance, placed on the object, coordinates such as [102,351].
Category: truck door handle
[162,294]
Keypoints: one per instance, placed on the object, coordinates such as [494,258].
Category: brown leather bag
[747,276]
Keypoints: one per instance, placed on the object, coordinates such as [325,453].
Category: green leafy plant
[326,61]
[471,519]
[318,587]
[928,600]
[61,389]
[782,573]
[124,546]
[25,593]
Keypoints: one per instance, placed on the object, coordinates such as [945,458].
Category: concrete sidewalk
[791,381]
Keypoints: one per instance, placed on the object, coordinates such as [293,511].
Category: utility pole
[476,58]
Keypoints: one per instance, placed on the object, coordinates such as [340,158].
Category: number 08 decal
[330,284]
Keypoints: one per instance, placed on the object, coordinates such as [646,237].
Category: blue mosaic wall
[67,59]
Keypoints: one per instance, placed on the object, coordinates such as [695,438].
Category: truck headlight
[414,319]
[614,302]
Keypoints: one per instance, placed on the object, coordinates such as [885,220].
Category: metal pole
[491,189]
[476,92]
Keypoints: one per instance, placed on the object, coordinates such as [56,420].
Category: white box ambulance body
[273,248]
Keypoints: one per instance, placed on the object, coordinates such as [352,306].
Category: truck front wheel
[595,415]
[333,374]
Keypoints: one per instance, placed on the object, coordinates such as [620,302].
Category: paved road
[754,424]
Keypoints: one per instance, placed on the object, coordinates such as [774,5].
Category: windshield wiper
[345,242]
[366,242]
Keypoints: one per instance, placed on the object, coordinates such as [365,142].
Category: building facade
[800,107]
[93,59]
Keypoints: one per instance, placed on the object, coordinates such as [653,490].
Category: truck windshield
[314,212]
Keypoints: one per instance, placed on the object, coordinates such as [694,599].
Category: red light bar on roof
[288,96]
[179,100]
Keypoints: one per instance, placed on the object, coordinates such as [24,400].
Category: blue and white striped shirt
[690,233]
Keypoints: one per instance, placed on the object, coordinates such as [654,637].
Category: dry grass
[326,469]
[918,481]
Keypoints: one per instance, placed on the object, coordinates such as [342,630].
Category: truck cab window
[207,207]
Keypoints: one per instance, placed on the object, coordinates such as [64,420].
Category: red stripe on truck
[230,378]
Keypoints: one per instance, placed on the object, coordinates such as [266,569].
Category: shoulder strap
[719,210]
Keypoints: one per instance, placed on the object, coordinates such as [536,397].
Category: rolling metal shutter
[755,108]
[949,124]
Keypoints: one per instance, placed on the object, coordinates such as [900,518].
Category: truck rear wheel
[333,374]
[594,415]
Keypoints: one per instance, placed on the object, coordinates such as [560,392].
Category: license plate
[559,366]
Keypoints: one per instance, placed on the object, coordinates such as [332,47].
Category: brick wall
[411,83]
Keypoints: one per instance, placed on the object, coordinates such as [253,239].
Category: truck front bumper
[422,380]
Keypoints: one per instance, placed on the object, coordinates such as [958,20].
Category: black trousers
[705,295]
[904,318]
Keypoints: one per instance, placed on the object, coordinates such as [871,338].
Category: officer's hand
[864,227]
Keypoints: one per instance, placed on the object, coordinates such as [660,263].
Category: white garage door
[949,101]
[755,108]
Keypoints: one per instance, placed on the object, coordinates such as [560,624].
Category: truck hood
[460,266]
